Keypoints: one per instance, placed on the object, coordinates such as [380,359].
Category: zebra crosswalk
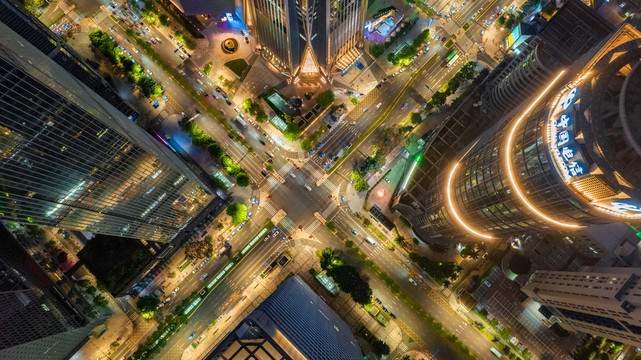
[329,186]
[402,347]
[269,207]
[313,226]
[329,210]
[285,169]
[269,184]
[287,224]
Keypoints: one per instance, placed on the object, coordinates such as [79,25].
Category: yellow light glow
[508,157]
[452,210]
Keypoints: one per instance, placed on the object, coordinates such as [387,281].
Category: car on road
[404,106]
[325,163]
[284,238]
[206,95]
[200,74]
[253,199]
[233,233]
[320,144]
[192,335]
[310,152]
[203,277]
[249,214]
[342,197]
[392,315]
[378,106]
[181,56]
[136,51]
[262,142]
[365,110]
[328,166]
[426,51]
[240,227]
[378,301]
[413,282]
[166,98]
[354,232]
[385,309]
[228,102]
[370,241]
[380,84]
[246,40]
[203,263]
[321,155]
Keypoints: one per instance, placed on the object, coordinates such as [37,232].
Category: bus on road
[496,352]
[241,122]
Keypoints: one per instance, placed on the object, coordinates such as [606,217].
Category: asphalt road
[298,202]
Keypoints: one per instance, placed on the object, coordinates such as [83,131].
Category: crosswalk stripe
[285,169]
[287,224]
[330,208]
[313,226]
[269,207]
[270,184]
[329,186]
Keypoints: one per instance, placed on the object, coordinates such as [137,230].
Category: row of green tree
[103,42]
[254,109]
[371,163]
[442,272]
[150,11]
[200,139]
[405,55]
[312,140]
[465,73]
[346,276]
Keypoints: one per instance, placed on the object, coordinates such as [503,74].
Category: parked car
[192,335]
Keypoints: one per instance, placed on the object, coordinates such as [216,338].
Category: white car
[200,74]
[379,105]
[136,51]
[413,282]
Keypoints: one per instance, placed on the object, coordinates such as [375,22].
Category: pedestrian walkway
[329,186]
[285,169]
[269,184]
[329,209]
[288,225]
[269,207]
[313,226]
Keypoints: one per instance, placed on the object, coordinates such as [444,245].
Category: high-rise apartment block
[70,154]
[603,302]
[292,323]
[310,39]
[563,160]
[38,320]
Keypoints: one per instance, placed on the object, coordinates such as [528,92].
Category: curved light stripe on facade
[452,210]
[508,158]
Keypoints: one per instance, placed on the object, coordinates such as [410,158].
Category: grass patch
[207,68]
[449,43]
[410,340]
[238,66]
[354,100]
[466,26]
[63,15]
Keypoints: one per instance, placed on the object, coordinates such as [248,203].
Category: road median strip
[173,322]
[383,117]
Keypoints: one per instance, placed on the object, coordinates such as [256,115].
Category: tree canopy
[442,272]
[237,212]
[346,276]
[325,99]
[242,179]
[147,305]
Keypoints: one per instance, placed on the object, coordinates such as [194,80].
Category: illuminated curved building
[571,157]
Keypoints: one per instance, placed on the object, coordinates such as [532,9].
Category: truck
[241,122]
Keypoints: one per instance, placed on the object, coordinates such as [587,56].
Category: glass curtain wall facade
[287,29]
[69,159]
[572,158]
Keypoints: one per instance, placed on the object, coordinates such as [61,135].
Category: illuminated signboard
[514,35]
[569,160]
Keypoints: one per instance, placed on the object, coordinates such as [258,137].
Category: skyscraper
[292,323]
[70,157]
[38,320]
[309,39]
[602,302]
[569,34]
[564,161]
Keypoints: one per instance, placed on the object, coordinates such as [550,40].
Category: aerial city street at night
[320,179]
